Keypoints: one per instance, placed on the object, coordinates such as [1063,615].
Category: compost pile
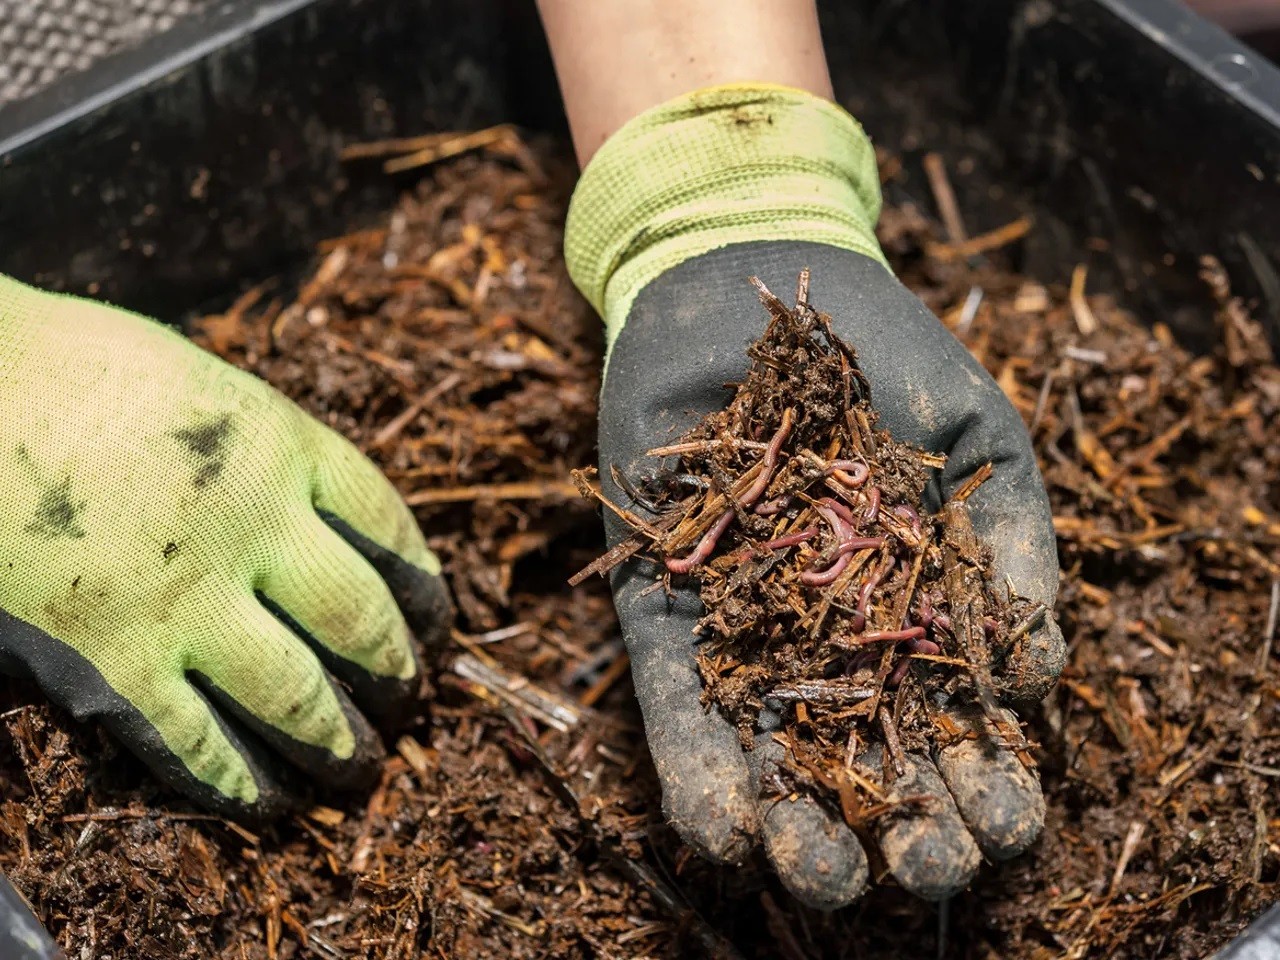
[520,818]
[821,580]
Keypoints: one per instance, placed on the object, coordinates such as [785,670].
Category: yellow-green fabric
[724,165]
[148,489]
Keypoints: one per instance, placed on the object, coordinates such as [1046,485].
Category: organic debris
[445,339]
[831,599]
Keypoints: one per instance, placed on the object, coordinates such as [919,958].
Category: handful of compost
[837,613]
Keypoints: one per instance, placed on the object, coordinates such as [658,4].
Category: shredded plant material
[444,338]
[832,600]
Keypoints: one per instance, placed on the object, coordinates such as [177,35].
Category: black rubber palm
[684,339]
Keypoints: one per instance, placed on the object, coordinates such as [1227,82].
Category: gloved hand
[187,556]
[670,218]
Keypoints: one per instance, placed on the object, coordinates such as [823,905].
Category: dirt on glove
[520,817]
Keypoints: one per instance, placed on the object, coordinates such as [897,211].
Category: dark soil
[519,817]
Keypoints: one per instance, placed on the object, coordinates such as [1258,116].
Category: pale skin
[617,58]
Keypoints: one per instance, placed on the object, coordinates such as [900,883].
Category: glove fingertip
[1034,665]
[999,798]
[719,833]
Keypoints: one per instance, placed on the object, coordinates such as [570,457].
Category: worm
[752,493]
[881,636]
[918,645]
[909,514]
[925,613]
[840,520]
[792,539]
[820,578]
[757,489]
[839,509]
[864,595]
[704,547]
[772,507]
[873,504]
[854,544]
[851,473]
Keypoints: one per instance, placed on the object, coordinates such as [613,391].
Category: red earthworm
[857,622]
[864,595]
[989,627]
[820,578]
[909,514]
[901,574]
[840,470]
[704,547]
[943,621]
[837,516]
[919,645]
[873,504]
[752,493]
[770,463]
[792,539]
[835,513]
[925,614]
[880,636]
[854,544]
[839,508]
[772,507]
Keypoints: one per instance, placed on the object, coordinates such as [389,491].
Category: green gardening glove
[670,218]
[187,556]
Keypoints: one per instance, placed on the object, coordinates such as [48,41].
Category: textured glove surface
[680,324]
[194,560]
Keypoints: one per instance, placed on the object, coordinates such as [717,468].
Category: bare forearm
[617,58]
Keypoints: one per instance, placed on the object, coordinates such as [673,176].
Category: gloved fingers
[355,499]
[924,841]
[999,798]
[817,857]
[707,791]
[201,754]
[1014,520]
[259,672]
[179,736]
[328,593]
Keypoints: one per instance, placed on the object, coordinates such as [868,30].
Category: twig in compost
[541,490]
[1269,633]
[519,693]
[935,170]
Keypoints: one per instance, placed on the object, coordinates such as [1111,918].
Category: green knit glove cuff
[724,165]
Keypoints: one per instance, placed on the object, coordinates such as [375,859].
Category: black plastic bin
[170,176]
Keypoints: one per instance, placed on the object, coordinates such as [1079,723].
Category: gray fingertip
[707,792]
[1016,522]
[707,801]
[998,797]
[1034,665]
[817,857]
[925,843]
